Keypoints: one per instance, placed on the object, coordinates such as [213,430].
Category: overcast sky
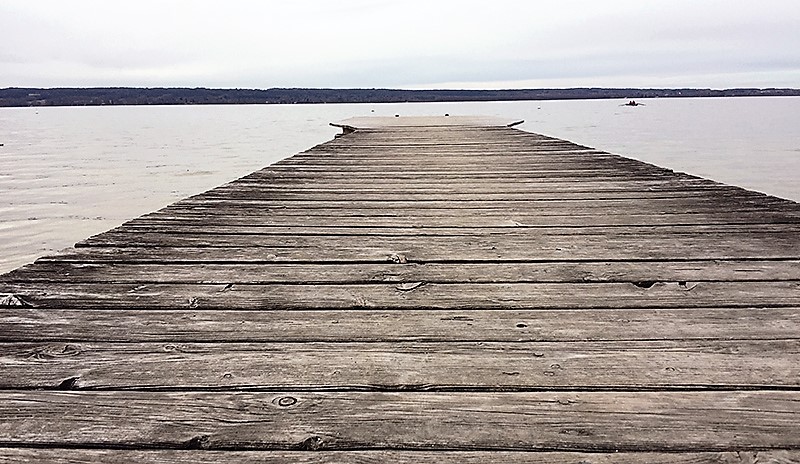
[400,43]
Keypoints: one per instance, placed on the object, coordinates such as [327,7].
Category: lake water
[67,173]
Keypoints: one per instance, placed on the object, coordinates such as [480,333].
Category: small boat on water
[633,103]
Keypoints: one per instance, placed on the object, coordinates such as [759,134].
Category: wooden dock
[442,290]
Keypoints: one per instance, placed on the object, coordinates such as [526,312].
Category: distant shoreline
[99,96]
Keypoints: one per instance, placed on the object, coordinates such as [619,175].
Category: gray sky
[400,43]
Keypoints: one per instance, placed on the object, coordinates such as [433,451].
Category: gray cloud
[359,43]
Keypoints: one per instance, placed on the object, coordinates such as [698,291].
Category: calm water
[67,173]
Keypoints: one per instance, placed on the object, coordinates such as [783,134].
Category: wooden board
[94,456]
[410,295]
[407,366]
[298,420]
[506,272]
[423,325]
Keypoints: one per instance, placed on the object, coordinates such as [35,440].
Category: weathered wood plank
[567,421]
[357,203]
[408,295]
[489,177]
[511,185]
[93,456]
[541,209]
[267,189]
[184,227]
[403,366]
[273,183]
[441,194]
[500,162]
[698,202]
[511,272]
[421,169]
[292,195]
[524,244]
[437,142]
[261,249]
[552,325]
[582,183]
[272,193]
[508,220]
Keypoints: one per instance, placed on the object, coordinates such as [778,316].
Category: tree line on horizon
[95,96]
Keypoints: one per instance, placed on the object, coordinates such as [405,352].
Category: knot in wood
[313,443]
[198,443]
[398,259]
[286,401]
[71,350]
[175,348]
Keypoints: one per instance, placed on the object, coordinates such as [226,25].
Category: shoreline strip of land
[99,96]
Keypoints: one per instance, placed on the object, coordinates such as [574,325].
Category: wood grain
[509,272]
[93,456]
[404,366]
[563,421]
[409,295]
[422,325]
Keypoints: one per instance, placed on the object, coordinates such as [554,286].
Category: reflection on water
[67,173]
